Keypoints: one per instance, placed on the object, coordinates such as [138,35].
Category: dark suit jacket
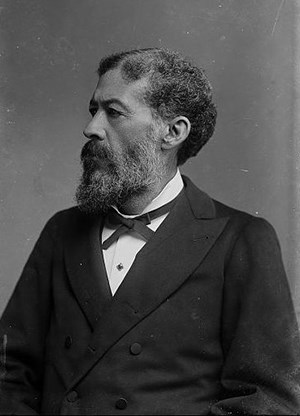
[203,322]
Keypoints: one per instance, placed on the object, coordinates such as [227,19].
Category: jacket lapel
[160,268]
[85,267]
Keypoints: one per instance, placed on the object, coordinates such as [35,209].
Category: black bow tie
[138,224]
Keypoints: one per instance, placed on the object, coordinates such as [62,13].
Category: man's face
[123,155]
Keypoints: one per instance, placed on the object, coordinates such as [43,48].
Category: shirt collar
[169,192]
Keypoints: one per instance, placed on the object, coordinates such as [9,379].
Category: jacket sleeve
[261,373]
[23,329]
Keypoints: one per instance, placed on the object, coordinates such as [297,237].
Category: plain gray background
[49,51]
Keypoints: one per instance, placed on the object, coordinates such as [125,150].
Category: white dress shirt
[119,257]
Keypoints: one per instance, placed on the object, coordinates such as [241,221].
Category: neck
[137,203]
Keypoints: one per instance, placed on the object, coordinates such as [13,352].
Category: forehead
[111,86]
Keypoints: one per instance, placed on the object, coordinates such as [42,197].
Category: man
[149,297]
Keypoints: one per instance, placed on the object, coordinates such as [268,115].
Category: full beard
[112,178]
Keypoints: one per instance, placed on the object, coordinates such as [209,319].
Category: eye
[112,112]
[93,111]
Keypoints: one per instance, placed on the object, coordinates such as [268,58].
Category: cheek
[127,137]
[129,132]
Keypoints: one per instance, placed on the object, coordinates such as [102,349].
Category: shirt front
[118,258]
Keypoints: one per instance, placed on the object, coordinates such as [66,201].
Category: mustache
[92,150]
[94,156]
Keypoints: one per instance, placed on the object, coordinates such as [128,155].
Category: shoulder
[68,221]
[61,219]
[253,229]
[240,224]
[65,216]
[249,225]
[252,243]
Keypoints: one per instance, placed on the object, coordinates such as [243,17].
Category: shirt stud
[120,267]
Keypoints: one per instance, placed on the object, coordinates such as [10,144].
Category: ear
[178,130]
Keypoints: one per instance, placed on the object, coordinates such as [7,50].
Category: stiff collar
[169,192]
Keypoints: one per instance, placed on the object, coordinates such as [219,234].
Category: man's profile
[149,297]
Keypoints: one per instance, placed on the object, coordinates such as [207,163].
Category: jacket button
[135,348]
[72,396]
[68,342]
[121,404]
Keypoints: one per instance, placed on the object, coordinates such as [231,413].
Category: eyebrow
[105,103]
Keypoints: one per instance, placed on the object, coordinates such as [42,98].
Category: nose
[94,129]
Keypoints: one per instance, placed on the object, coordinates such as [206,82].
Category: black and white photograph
[149,207]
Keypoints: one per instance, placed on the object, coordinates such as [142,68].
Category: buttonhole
[132,308]
[201,237]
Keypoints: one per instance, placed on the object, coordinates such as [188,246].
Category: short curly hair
[175,88]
